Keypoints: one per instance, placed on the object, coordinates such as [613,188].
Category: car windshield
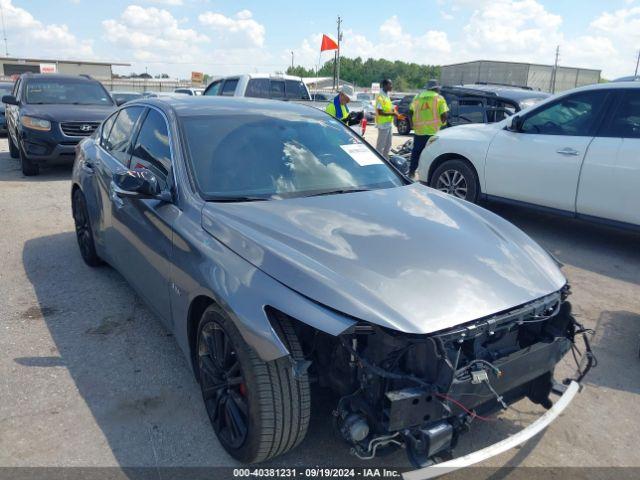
[68,92]
[264,156]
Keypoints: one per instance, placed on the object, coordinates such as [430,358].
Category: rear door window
[258,88]
[118,143]
[625,122]
[295,90]
[229,87]
[106,129]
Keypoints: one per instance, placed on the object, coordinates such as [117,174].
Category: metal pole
[338,61]
[4,33]
[637,62]
[552,81]
[291,59]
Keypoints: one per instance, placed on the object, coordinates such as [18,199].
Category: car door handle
[115,199]
[568,151]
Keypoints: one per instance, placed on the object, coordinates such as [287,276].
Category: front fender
[202,266]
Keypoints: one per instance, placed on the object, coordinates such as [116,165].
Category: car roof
[275,76]
[505,91]
[187,106]
[57,76]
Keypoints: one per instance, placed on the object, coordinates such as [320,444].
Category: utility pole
[4,33]
[635,74]
[291,59]
[338,55]
[552,81]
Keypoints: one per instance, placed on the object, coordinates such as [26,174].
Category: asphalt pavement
[89,376]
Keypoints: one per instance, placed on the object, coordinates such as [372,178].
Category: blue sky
[177,36]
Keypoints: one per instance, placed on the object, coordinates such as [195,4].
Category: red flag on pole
[328,44]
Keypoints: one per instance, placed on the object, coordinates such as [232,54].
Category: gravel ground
[89,377]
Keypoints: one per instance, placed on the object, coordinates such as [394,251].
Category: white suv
[577,152]
[273,86]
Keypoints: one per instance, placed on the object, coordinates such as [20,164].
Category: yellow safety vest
[331,110]
[427,108]
[383,102]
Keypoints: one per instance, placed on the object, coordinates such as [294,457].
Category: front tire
[13,149]
[456,178]
[84,232]
[29,167]
[258,409]
[404,128]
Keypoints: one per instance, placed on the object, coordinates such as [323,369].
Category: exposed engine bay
[421,392]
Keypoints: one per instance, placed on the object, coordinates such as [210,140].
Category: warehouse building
[537,77]
[16,66]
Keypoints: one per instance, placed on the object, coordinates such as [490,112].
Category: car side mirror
[119,101]
[10,100]
[138,184]
[401,163]
[514,123]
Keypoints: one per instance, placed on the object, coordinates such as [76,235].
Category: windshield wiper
[339,191]
[239,198]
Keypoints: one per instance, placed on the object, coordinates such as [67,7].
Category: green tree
[405,76]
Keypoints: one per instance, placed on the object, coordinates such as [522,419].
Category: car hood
[408,258]
[69,113]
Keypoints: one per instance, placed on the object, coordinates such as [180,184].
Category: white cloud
[170,3]
[238,31]
[526,31]
[29,36]
[392,43]
[153,34]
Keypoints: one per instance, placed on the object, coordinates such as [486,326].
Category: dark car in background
[123,97]
[5,89]
[477,103]
[48,114]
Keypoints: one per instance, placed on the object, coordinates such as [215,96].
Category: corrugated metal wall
[538,77]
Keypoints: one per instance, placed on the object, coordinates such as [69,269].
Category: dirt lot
[89,377]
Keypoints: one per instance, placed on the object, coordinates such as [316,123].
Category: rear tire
[13,150]
[456,178]
[84,232]
[29,167]
[258,409]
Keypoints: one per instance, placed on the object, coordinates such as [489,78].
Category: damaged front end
[421,392]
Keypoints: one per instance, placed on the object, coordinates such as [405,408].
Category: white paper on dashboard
[361,154]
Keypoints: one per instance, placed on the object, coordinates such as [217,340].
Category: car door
[540,163]
[610,179]
[112,156]
[143,227]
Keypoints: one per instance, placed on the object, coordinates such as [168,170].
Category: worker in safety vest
[338,106]
[385,113]
[429,113]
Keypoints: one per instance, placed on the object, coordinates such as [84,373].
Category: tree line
[405,76]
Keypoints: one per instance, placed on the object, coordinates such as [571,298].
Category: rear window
[276,89]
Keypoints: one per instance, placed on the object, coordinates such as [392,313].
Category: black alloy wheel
[223,386]
[84,233]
